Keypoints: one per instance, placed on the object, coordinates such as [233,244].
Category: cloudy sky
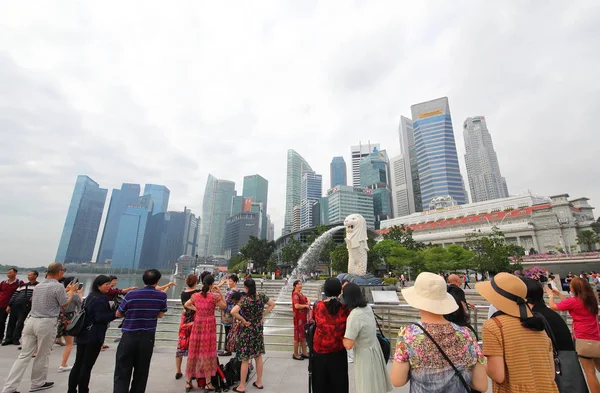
[167,93]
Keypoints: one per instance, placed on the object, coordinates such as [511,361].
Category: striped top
[527,356]
[141,308]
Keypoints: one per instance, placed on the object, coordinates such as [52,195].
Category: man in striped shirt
[141,309]
[18,307]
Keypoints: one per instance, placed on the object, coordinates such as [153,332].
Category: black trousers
[16,321]
[134,354]
[79,379]
[330,372]
[3,318]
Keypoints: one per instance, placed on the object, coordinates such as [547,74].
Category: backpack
[220,381]
[76,324]
[233,371]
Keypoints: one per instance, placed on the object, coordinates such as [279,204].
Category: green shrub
[390,281]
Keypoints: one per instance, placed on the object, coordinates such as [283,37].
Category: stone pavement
[282,373]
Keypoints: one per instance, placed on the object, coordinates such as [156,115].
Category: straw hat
[507,293]
[430,294]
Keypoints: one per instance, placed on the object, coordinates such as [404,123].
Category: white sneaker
[62,369]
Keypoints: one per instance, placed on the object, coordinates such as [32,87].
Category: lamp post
[196,265]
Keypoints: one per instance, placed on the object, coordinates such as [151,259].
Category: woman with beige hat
[518,351]
[436,356]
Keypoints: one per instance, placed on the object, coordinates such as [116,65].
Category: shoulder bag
[386,346]
[310,327]
[589,349]
[76,324]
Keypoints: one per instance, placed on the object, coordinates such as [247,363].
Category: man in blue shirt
[141,309]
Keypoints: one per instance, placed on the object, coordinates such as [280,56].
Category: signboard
[432,113]
[247,205]
[387,297]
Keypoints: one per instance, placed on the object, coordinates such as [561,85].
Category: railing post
[476,325]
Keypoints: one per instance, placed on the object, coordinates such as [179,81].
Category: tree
[272,264]
[259,251]
[384,250]
[436,259]
[339,258]
[492,252]
[235,260]
[292,251]
[404,236]
[589,239]
[596,226]
[460,258]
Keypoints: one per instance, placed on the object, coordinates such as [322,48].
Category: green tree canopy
[235,260]
[292,252]
[339,258]
[259,251]
[437,259]
[492,252]
[404,236]
[460,258]
[589,239]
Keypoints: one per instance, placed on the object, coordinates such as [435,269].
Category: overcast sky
[166,93]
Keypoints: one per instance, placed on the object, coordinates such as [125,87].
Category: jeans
[134,354]
[79,379]
[16,321]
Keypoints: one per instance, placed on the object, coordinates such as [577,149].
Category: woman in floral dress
[300,305]
[202,352]
[250,311]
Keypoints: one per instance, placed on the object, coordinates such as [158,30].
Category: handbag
[384,343]
[589,349]
[75,325]
[310,327]
[456,370]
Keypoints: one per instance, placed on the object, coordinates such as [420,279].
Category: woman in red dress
[202,352]
[300,305]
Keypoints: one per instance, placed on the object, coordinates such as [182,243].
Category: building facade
[359,152]
[132,231]
[338,172]
[404,173]
[216,209]
[256,187]
[296,166]
[483,171]
[346,200]
[271,229]
[160,197]
[296,218]
[119,200]
[81,227]
[311,191]
[435,147]
[238,230]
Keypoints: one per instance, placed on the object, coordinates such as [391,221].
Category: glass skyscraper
[337,171]
[119,200]
[437,160]
[374,175]
[216,209]
[160,197]
[256,187]
[80,231]
[344,200]
[131,234]
[311,191]
[296,166]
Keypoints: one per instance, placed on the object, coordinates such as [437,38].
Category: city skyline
[103,103]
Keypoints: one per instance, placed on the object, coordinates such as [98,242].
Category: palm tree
[589,238]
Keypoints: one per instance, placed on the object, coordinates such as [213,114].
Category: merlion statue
[356,242]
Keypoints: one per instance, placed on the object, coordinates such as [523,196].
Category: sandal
[258,387]
[297,358]
[188,386]
[238,391]
[211,389]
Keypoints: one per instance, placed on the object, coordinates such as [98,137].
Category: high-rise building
[239,229]
[404,173]
[181,236]
[324,211]
[483,170]
[345,200]
[402,200]
[160,197]
[216,209]
[296,166]
[311,191]
[271,231]
[437,160]
[80,231]
[132,231]
[358,153]
[257,188]
[296,218]
[119,200]
[337,171]
[374,175]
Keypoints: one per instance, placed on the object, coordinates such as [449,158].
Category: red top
[7,290]
[330,328]
[585,324]
[113,293]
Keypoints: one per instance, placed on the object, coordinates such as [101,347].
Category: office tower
[311,191]
[437,161]
[345,200]
[483,171]
[181,237]
[130,236]
[337,171]
[160,197]
[216,209]
[358,153]
[374,175]
[296,218]
[324,211]
[404,173]
[80,231]
[271,229]
[238,231]
[296,166]
[119,200]
[256,187]
[154,243]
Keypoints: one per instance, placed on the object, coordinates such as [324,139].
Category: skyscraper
[132,231]
[337,171]
[311,191]
[238,230]
[344,200]
[80,231]
[404,173]
[374,175]
[296,166]
[437,160]
[119,200]
[216,209]
[358,153]
[181,236]
[271,229]
[257,188]
[160,197]
[483,170]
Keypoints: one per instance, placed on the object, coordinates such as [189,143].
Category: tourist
[583,308]
[330,368]
[202,353]
[114,292]
[518,351]
[370,373]
[466,280]
[66,315]
[232,337]
[185,325]
[572,379]
[98,314]
[7,288]
[40,330]
[403,280]
[350,352]
[141,309]
[250,311]
[300,306]
[18,308]
[226,317]
[417,357]
[461,315]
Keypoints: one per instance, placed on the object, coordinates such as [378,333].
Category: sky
[167,93]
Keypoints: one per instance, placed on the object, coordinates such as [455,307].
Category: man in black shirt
[460,316]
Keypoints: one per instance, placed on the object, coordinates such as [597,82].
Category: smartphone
[80,286]
[549,286]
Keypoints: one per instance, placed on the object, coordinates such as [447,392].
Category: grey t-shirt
[75,304]
[48,297]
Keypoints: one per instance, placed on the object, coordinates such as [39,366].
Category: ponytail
[206,283]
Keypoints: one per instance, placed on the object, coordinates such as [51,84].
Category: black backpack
[220,381]
[233,371]
[77,323]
